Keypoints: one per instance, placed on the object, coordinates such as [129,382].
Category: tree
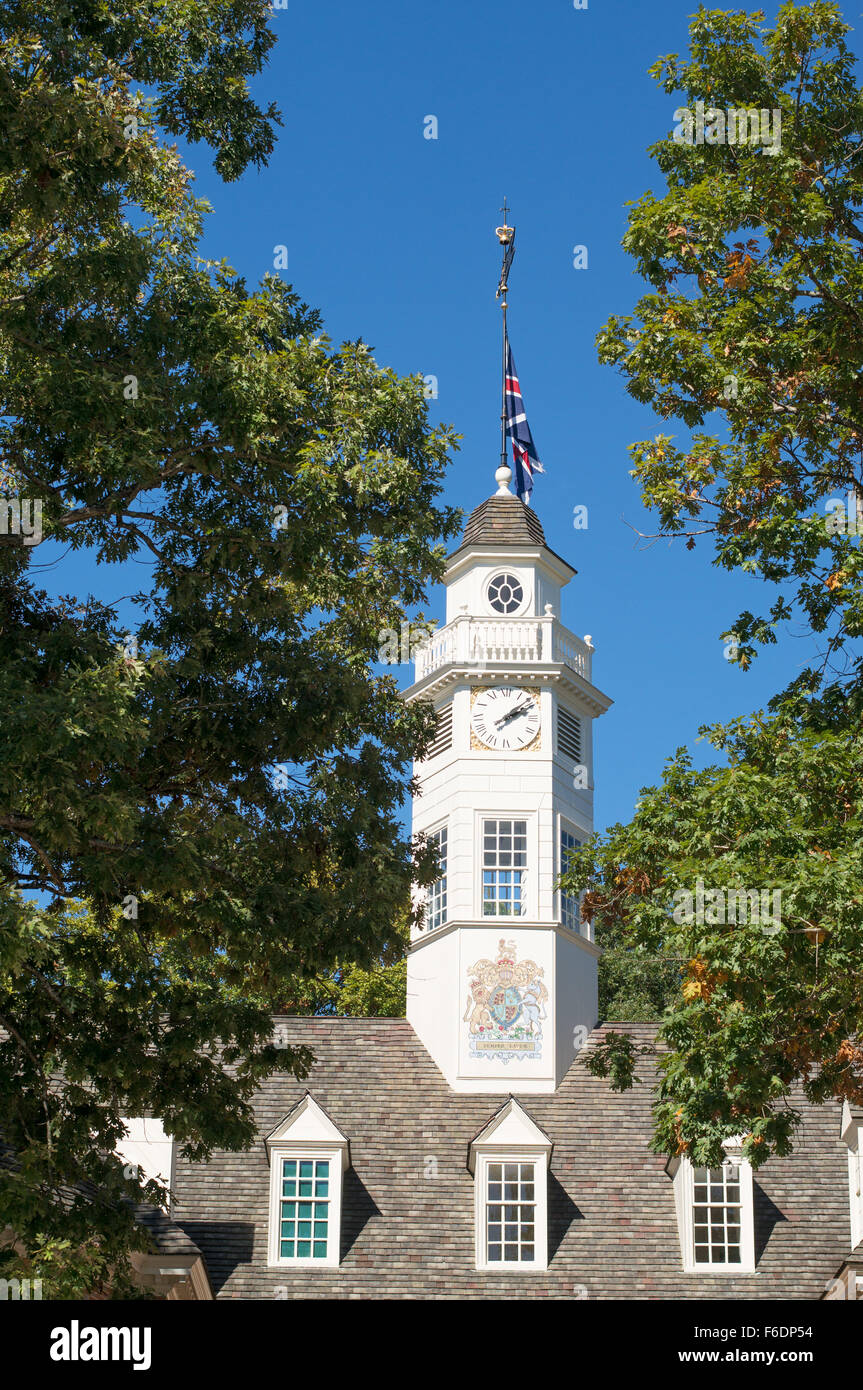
[753,258]
[354,991]
[199,813]
[749,879]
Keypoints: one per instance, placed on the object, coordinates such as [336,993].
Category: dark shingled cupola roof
[503,520]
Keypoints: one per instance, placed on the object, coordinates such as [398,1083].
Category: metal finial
[506,237]
[505,233]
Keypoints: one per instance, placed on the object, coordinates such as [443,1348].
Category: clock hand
[519,709]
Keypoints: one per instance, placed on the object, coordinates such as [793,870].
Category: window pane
[510,1213]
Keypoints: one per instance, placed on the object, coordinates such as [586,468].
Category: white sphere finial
[503,477]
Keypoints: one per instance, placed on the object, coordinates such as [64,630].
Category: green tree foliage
[355,991]
[201,813]
[755,1006]
[756,276]
[752,318]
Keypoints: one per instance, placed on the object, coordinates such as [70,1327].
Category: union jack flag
[517,429]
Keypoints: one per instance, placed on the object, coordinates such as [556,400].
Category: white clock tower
[502,975]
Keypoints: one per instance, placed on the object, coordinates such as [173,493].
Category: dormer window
[505,594]
[308,1156]
[715,1215]
[509,1159]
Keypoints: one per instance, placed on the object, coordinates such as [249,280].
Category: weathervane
[513,419]
[506,237]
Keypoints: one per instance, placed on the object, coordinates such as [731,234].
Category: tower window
[569,913]
[504,868]
[505,594]
[436,901]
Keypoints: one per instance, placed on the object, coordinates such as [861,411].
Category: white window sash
[299,1153]
[685,1184]
[540,1180]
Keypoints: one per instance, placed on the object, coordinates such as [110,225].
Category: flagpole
[506,237]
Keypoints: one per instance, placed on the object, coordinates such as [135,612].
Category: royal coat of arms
[506,1006]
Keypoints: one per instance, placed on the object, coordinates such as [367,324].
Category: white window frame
[540,1178]
[854,1139]
[309,1152]
[428,925]
[684,1186]
[528,885]
[521,578]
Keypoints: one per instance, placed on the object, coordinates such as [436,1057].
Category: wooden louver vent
[443,732]
[568,735]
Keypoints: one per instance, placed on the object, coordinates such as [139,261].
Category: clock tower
[502,973]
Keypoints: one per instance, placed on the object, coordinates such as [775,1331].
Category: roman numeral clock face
[505,718]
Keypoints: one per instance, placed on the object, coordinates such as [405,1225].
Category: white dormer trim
[852,1136]
[510,1127]
[306,1136]
[307,1124]
[511,1137]
[682,1171]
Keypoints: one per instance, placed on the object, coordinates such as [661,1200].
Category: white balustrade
[479,642]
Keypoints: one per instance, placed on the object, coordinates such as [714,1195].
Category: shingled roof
[503,520]
[408,1213]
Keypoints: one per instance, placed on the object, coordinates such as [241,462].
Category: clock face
[506,718]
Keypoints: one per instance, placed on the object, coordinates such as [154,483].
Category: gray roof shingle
[408,1214]
[503,520]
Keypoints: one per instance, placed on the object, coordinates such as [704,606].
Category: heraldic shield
[506,1006]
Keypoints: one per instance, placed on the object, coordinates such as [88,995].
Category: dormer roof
[308,1123]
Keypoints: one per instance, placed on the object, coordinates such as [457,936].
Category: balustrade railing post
[547,626]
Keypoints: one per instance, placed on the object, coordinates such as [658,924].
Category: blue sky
[391,235]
